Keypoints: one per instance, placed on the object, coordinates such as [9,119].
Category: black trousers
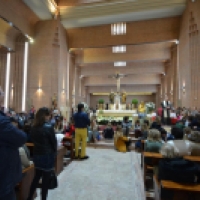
[45,175]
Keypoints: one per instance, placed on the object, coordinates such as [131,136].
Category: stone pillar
[174,75]
[77,84]
[158,96]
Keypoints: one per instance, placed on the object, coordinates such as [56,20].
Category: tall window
[118,28]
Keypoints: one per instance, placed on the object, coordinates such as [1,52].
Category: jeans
[9,196]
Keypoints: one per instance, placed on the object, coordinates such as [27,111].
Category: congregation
[99,100]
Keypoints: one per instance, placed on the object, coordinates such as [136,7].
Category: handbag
[53,182]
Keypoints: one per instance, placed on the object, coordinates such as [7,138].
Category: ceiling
[146,63]
[83,13]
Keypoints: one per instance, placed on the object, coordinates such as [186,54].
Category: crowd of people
[46,129]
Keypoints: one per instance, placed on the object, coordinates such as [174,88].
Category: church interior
[129,132]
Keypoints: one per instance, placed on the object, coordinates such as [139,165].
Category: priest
[166,107]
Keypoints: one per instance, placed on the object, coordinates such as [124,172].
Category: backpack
[178,170]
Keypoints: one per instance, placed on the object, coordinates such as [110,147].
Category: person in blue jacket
[11,138]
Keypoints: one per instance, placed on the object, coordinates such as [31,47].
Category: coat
[119,142]
[11,138]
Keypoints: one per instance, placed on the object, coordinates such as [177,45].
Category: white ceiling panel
[40,8]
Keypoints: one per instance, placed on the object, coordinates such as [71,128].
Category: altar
[116,113]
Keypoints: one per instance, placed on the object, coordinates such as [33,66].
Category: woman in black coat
[44,152]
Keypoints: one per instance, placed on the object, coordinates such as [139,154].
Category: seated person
[186,131]
[58,127]
[146,121]
[180,124]
[153,143]
[25,157]
[179,148]
[108,132]
[70,131]
[121,142]
[176,133]
[156,124]
[144,132]
[137,129]
[126,125]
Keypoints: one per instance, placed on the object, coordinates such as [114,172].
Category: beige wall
[189,52]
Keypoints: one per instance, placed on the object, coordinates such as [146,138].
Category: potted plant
[101,102]
[134,103]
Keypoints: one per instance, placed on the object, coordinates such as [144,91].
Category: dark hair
[146,121]
[126,118]
[177,133]
[80,106]
[40,116]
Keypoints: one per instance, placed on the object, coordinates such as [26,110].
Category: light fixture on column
[183,89]
[39,89]
[25,77]
[7,81]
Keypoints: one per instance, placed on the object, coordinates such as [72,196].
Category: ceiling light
[119,49]
[118,28]
[120,64]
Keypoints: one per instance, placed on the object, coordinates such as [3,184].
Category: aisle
[107,175]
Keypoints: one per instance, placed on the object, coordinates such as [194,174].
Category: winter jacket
[11,138]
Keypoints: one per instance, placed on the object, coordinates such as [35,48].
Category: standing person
[44,152]
[166,106]
[11,138]
[81,122]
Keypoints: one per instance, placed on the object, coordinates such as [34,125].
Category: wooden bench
[59,165]
[24,186]
[155,158]
[178,191]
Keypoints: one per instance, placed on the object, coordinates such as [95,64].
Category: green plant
[101,101]
[134,101]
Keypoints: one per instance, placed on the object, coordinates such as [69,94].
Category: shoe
[84,158]
[76,158]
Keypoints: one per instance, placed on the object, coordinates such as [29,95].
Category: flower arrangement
[134,101]
[150,107]
[101,101]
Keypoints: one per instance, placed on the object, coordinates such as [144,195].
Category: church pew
[24,186]
[155,157]
[175,191]
[59,165]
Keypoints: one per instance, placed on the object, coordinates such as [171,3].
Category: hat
[194,136]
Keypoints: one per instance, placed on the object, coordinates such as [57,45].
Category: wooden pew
[24,186]
[178,191]
[59,165]
[68,143]
[155,157]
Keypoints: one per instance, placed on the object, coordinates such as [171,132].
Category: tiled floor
[107,175]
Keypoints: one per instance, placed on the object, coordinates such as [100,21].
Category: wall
[147,98]
[189,55]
